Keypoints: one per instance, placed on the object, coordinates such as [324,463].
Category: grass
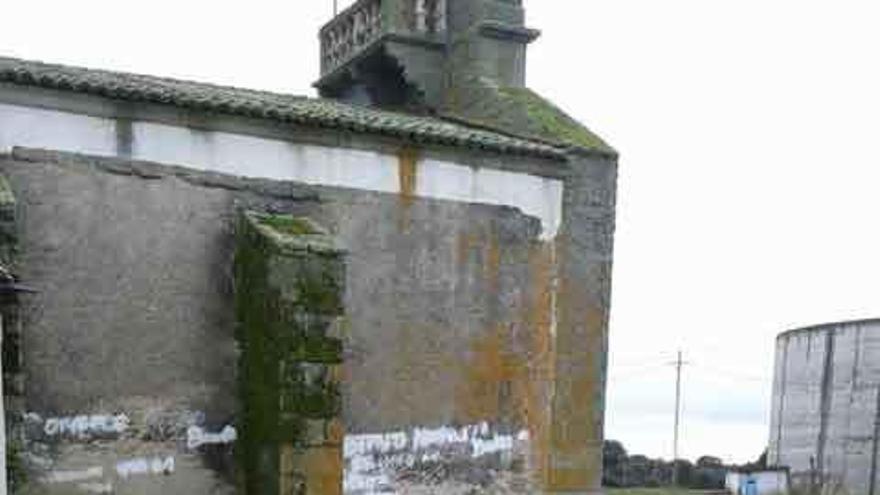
[657,491]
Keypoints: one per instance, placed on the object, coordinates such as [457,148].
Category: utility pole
[678,365]
[335,7]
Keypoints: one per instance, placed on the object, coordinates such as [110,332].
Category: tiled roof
[276,107]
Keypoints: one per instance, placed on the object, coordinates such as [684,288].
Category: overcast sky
[749,133]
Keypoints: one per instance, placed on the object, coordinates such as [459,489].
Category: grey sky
[749,174]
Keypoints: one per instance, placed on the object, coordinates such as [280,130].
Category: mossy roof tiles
[276,107]
[523,113]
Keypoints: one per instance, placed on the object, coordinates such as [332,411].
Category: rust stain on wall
[492,266]
[483,244]
[469,246]
[490,380]
[324,466]
[577,411]
[335,432]
[539,392]
[500,382]
[407,174]
[462,247]
[505,379]
[407,171]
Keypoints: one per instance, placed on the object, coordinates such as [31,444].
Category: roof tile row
[277,107]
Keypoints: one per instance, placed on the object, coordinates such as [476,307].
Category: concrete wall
[476,313]
[826,406]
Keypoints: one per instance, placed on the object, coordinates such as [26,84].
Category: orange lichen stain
[407,174]
[484,245]
[315,469]
[312,471]
[407,171]
[489,379]
[470,247]
[336,373]
[576,437]
[492,266]
[507,378]
[539,385]
[287,475]
[565,479]
[464,242]
[335,432]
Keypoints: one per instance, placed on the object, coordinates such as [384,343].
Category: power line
[634,374]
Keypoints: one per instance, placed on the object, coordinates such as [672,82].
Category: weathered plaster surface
[447,313]
[128,346]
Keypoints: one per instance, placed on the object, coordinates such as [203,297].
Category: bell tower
[387,53]
[488,41]
[410,54]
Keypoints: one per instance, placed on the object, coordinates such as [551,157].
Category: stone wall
[9,369]
[129,353]
[449,354]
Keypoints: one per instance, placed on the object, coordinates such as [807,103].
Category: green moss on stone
[550,121]
[8,230]
[16,471]
[308,280]
[7,197]
[286,301]
[303,400]
[520,112]
[288,224]
[320,350]
[286,233]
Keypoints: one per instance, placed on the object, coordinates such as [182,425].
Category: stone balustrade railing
[350,31]
[430,16]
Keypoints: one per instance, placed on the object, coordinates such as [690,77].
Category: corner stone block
[289,279]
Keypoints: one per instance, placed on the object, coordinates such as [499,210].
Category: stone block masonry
[452,378]
[7,249]
[289,281]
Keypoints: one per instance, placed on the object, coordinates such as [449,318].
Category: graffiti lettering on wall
[96,487]
[92,479]
[81,427]
[143,465]
[73,476]
[196,436]
[373,460]
[155,427]
[164,424]
[114,441]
